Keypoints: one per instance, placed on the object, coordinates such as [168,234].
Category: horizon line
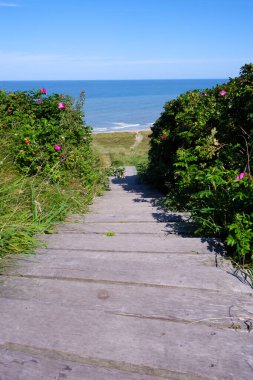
[80,80]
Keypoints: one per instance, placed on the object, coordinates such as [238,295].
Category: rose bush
[47,166]
[204,164]
[46,135]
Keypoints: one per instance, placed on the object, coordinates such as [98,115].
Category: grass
[39,184]
[111,233]
[31,205]
[122,148]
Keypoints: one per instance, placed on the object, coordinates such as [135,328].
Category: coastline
[121,131]
[120,127]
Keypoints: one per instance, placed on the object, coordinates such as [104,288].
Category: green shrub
[46,137]
[201,155]
[47,165]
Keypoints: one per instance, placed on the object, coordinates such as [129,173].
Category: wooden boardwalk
[123,293]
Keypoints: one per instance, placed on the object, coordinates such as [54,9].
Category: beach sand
[121,131]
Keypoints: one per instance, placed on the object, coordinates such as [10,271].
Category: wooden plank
[125,342]
[180,305]
[145,269]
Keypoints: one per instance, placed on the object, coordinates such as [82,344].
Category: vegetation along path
[124,293]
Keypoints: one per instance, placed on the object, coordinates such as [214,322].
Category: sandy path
[138,140]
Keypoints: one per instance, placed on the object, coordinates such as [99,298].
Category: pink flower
[223,92]
[43,90]
[57,147]
[39,101]
[241,175]
[61,106]
[164,137]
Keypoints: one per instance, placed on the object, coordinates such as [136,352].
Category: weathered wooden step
[137,243]
[131,268]
[127,228]
[20,362]
[175,304]
[140,305]
[134,217]
[161,348]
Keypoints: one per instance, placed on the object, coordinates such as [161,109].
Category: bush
[201,155]
[46,135]
[47,165]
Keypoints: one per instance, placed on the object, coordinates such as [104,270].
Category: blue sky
[124,39]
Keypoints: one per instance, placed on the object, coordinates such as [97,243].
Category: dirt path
[138,140]
[124,293]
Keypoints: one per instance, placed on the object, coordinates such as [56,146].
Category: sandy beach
[121,131]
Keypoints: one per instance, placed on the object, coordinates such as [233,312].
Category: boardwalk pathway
[123,294]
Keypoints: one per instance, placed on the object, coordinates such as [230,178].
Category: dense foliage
[46,135]
[47,165]
[201,155]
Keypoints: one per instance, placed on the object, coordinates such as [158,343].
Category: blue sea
[118,105]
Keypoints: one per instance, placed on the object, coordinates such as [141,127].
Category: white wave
[100,129]
[114,127]
[148,125]
[125,125]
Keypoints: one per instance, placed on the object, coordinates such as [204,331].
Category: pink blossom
[57,147]
[39,101]
[164,137]
[43,90]
[61,106]
[223,92]
[241,175]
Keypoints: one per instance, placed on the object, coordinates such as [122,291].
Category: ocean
[118,105]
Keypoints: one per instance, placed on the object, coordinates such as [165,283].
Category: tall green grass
[31,205]
[39,184]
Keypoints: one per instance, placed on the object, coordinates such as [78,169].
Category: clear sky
[124,39]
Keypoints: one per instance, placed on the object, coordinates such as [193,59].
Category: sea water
[118,105]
